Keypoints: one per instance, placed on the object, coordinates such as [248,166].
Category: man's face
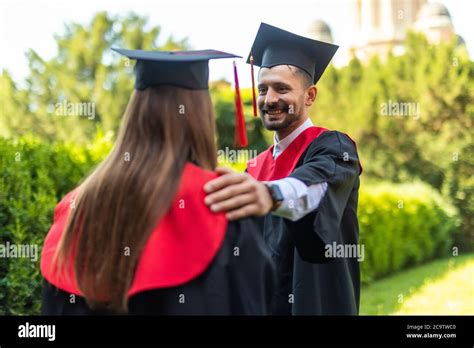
[282,94]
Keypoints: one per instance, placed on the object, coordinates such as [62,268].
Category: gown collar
[281,145]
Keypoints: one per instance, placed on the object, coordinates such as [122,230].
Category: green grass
[440,287]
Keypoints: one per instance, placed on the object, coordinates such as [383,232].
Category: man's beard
[286,118]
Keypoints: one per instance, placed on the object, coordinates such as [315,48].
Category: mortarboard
[274,46]
[186,69]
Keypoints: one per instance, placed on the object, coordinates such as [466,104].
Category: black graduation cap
[274,46]
[187,69]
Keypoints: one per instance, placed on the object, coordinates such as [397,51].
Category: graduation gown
[194,263]
[309,283]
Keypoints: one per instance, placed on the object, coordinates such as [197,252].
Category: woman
[136,237]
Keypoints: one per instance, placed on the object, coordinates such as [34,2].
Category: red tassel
[240,130]
[253,87]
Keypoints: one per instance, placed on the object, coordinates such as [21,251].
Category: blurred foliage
[436,146]
[84,70]
[34,176]
[403,225]
[223,98]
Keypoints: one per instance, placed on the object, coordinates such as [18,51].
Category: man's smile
[274,112]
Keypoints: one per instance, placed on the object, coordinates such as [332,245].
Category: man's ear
[311,94]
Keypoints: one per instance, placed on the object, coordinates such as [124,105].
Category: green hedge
[35,175]
[403,225]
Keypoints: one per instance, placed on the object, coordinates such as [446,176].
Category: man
[308,180]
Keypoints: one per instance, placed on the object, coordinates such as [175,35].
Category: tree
[412,117]
[84,73]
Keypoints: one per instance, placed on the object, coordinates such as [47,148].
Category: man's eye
[262,91]
[282,89]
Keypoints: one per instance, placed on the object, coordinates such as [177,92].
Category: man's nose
[271,97]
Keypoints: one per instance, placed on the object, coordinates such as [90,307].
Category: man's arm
[241,195]
[298,199]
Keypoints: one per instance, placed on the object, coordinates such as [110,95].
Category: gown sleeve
[251,272]
[331,158]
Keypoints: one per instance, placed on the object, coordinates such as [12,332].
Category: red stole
[180,248]
[265,168]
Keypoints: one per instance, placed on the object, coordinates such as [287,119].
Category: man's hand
[239,194]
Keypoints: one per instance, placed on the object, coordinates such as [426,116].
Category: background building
[381,26]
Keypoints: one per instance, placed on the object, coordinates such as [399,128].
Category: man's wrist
[275,194]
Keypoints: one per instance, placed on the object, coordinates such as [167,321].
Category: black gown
[239,281]
[308,282]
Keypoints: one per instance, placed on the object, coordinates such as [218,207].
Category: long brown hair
[121,202]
